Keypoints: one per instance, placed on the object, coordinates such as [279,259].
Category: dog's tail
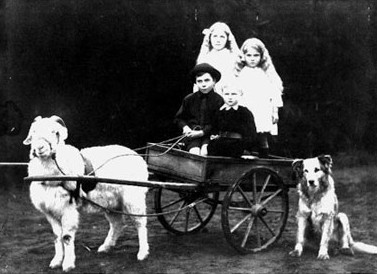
[363,248]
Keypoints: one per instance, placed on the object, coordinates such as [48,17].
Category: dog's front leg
[327,230]
[302,223]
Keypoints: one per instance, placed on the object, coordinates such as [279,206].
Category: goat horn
[58,120]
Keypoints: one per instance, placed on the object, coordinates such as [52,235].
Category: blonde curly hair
[265,63]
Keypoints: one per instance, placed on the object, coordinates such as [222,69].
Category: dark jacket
[228,122]
[190,114]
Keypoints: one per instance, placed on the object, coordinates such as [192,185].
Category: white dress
[260,96]
[224,61]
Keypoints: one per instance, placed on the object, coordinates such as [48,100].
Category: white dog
[60,201]
[318,210]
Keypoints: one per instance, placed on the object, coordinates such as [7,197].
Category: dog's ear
[297,167]
[326,162]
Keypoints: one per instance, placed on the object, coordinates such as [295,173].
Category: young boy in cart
[233,127]
[196,114]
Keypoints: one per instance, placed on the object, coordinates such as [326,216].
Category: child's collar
[227,107]
[202,93]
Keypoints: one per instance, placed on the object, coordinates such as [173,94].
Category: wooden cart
[253,193]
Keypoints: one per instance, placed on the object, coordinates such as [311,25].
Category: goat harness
[87,186]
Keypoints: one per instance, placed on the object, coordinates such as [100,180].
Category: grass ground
[26,240]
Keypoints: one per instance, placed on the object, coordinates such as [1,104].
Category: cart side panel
[176,163]
[225,171]
[188,167]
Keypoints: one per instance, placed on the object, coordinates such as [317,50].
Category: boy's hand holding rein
[186,130]
[214,137]
[192,133]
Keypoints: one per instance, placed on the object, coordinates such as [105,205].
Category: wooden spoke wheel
[255,210]
[190,210]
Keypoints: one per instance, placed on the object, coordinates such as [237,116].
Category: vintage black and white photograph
[213,136]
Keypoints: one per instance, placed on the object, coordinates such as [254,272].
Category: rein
[189,206]
[75,193]
[179,139]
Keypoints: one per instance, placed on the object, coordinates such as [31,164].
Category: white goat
[49,155]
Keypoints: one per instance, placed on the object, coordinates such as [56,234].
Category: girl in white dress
[220,50]
[262,89]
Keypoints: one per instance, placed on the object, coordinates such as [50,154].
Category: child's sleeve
[180,115]
[217,103]
[277,88]
[250,132]
[215,123]
[277,100]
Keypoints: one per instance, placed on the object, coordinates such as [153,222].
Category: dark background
[116,71]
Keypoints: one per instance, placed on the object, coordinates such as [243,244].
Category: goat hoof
[68,268]
[295,253]
[103,249]
[68,265]
[55,263]
[323,257]
[142,255]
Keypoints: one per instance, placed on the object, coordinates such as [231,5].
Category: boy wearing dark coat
[233,128]
[196,114]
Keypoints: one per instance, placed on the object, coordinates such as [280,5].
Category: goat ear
[63,133]
[297,167]
[28,139]
[37,118]
[326,162]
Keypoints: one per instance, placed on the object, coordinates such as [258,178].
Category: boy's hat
[205,68]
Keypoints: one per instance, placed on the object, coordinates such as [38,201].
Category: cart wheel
[255,210]
[197,209]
